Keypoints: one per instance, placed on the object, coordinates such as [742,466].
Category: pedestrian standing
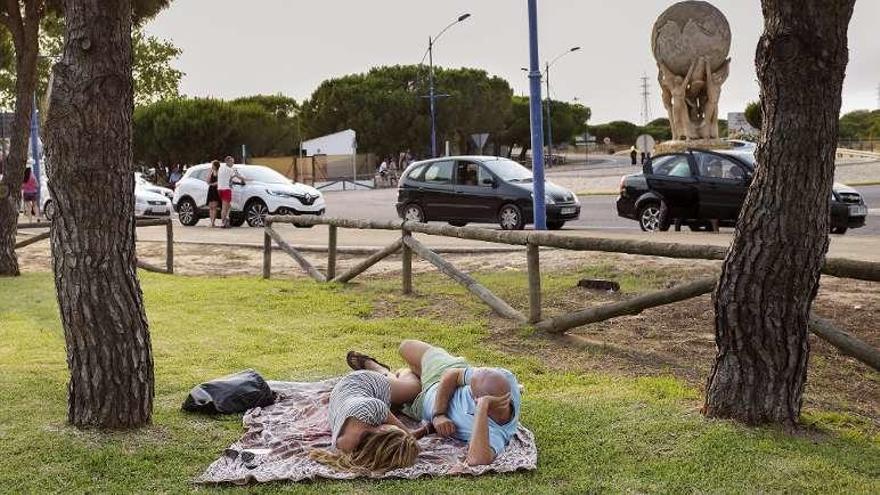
[633,153]
[174,176]
[225,174]
[213,194]
[29,189]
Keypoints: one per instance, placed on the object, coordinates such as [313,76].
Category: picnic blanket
[279,437]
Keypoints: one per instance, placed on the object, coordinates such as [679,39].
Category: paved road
[598,212]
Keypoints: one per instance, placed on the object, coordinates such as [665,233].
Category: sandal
[357,361]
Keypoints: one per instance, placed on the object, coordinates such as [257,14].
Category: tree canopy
[154,76]
[753,114]
[194,130]
[860,124]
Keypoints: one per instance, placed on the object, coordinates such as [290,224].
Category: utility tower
[646,100]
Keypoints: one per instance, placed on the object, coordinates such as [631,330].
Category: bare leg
[213,207]
[412,351]
[224,213]
[404,388]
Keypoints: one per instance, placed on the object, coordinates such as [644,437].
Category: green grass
[595,432]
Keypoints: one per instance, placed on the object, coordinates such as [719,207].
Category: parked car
[479,189]
[146,202]
[698,186]
[263,192]
[149,186]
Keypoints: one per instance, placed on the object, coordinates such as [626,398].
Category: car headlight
[281,194]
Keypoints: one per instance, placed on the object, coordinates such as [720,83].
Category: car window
[718,167]
[416,173]
[439,173]
[201,174]
[672,166]
[472,174]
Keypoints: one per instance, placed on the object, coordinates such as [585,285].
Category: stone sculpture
[691,41]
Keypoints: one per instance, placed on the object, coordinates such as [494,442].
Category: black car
[480,189]
[698,186]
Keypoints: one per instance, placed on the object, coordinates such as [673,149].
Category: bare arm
[479,449]
[690,73]
[449,381]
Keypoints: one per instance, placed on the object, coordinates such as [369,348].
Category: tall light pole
[432,96]
[549,119]
[539,210]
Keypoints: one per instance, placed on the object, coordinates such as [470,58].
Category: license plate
[858,210]
[568,211]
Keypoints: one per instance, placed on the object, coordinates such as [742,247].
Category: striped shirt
[362,395]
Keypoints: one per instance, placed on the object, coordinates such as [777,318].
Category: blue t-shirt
[462,407]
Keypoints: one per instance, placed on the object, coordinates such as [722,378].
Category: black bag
[231,394]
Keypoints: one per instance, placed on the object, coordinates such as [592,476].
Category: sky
[233,48]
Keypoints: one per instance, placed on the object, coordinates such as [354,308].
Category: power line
[646,100]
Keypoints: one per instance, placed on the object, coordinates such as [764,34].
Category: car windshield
[263,174]
[509,170]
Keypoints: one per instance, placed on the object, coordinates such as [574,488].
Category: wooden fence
[141,222]
[533,241]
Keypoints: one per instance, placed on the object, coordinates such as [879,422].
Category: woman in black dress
[213,195]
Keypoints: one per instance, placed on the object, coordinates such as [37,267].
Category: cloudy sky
[233,48]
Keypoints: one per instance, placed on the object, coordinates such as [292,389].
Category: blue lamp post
[432,96]
[539,209]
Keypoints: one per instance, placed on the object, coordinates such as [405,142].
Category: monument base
[679,146]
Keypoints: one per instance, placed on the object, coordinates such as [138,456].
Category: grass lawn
[596,432]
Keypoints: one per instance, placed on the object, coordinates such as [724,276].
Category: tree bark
[24,26]
[771,273]
[93,235]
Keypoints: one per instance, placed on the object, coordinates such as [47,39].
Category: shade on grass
[595,432]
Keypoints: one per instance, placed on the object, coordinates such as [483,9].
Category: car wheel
[651,218]
[413,213]
[236,220]
[838,230]
[186,212]
[555,225]
[255,213]
[458,224]
[49,210]
[511,218]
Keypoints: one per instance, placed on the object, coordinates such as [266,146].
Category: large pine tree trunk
[24,30]
[93,235]
[771,274]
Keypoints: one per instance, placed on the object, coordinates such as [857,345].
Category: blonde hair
[378,452]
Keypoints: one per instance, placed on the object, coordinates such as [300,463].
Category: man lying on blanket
[476,405]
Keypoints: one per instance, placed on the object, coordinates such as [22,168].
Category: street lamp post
[549,119]
[432,96]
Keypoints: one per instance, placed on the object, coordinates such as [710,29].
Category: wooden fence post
[406,271]
[267,255]
[169,246]
[534,267]
[331,254]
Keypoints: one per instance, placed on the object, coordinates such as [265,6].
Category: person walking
[225,174]
[29,189]
[213,194]
[633,154]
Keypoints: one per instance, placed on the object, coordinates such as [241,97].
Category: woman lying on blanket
[367,436]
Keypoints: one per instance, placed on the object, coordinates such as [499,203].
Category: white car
[264,192]
[146,203]
[153,188]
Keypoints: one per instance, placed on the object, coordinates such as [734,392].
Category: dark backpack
[230,394]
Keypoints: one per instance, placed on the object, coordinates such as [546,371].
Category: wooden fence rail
[532,242]
[139,222]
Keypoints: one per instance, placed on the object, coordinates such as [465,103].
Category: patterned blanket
[279,437]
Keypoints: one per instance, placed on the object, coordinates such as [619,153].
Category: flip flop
[357,360]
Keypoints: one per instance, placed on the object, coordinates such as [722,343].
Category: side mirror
[489,182]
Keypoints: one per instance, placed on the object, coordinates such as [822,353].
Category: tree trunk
[93,236]
[771,273]
[24,30]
